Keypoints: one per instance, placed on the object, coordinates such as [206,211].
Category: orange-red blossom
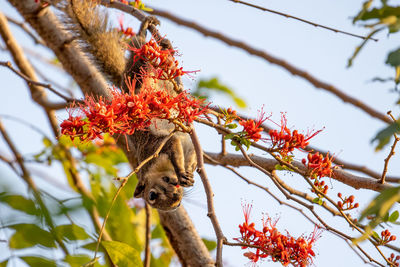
[271,243]
[285,140]
[164,64]
[126,113]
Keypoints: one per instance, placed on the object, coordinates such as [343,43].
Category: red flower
[165,67]
[285,141]
[271,243]
[126,113]
[73,127]
[319,165]
[252,127]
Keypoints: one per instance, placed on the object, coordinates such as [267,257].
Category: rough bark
[354,181]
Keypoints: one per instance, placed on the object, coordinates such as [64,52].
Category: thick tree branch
[269,164]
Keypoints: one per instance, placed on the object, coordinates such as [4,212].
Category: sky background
[347,131]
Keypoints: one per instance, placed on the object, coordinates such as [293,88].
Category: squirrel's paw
[186,179]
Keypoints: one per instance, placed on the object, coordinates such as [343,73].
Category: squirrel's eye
[152,196]
[166,179]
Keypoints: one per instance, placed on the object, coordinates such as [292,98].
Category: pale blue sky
[348,131]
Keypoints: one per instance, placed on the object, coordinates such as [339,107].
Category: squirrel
[160,181]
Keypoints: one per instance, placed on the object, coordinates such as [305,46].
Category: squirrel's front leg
[177,158]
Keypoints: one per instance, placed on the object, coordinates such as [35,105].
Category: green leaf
[381,13]
[279,167]
[71,232]
[29,235]
[20,203]
[78,260]
[382,203]
[318,201]
[35,261]
[283,168]
[394,216]
[216,85]
[157,232]
[366,6]
[92,247]
[232,126]
[230,136]
[360,47]
[245,142]
[239,102]
[393,58]
[383,137]
[379,207]
[122,254]
[47,142]
[210,244]
[4,263]
[375,235]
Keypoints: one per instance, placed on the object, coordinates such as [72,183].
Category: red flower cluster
[347,203]
[386,237]
[252,128]
[164,64]
[319,165]
[271,243]
[285,141]
[126,113]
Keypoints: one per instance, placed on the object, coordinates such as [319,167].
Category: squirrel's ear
[139,190]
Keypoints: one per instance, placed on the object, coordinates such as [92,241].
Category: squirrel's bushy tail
[90,26]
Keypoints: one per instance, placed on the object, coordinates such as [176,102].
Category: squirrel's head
[158,185]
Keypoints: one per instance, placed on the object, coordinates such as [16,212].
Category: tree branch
[209,193]
[269,164]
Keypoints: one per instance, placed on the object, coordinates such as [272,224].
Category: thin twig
[23,26]
[30,81]
[391,153]
[302,20]
[106,218]
[154,155]
[396,139]
[124,181]
[209,193]
[147,252]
